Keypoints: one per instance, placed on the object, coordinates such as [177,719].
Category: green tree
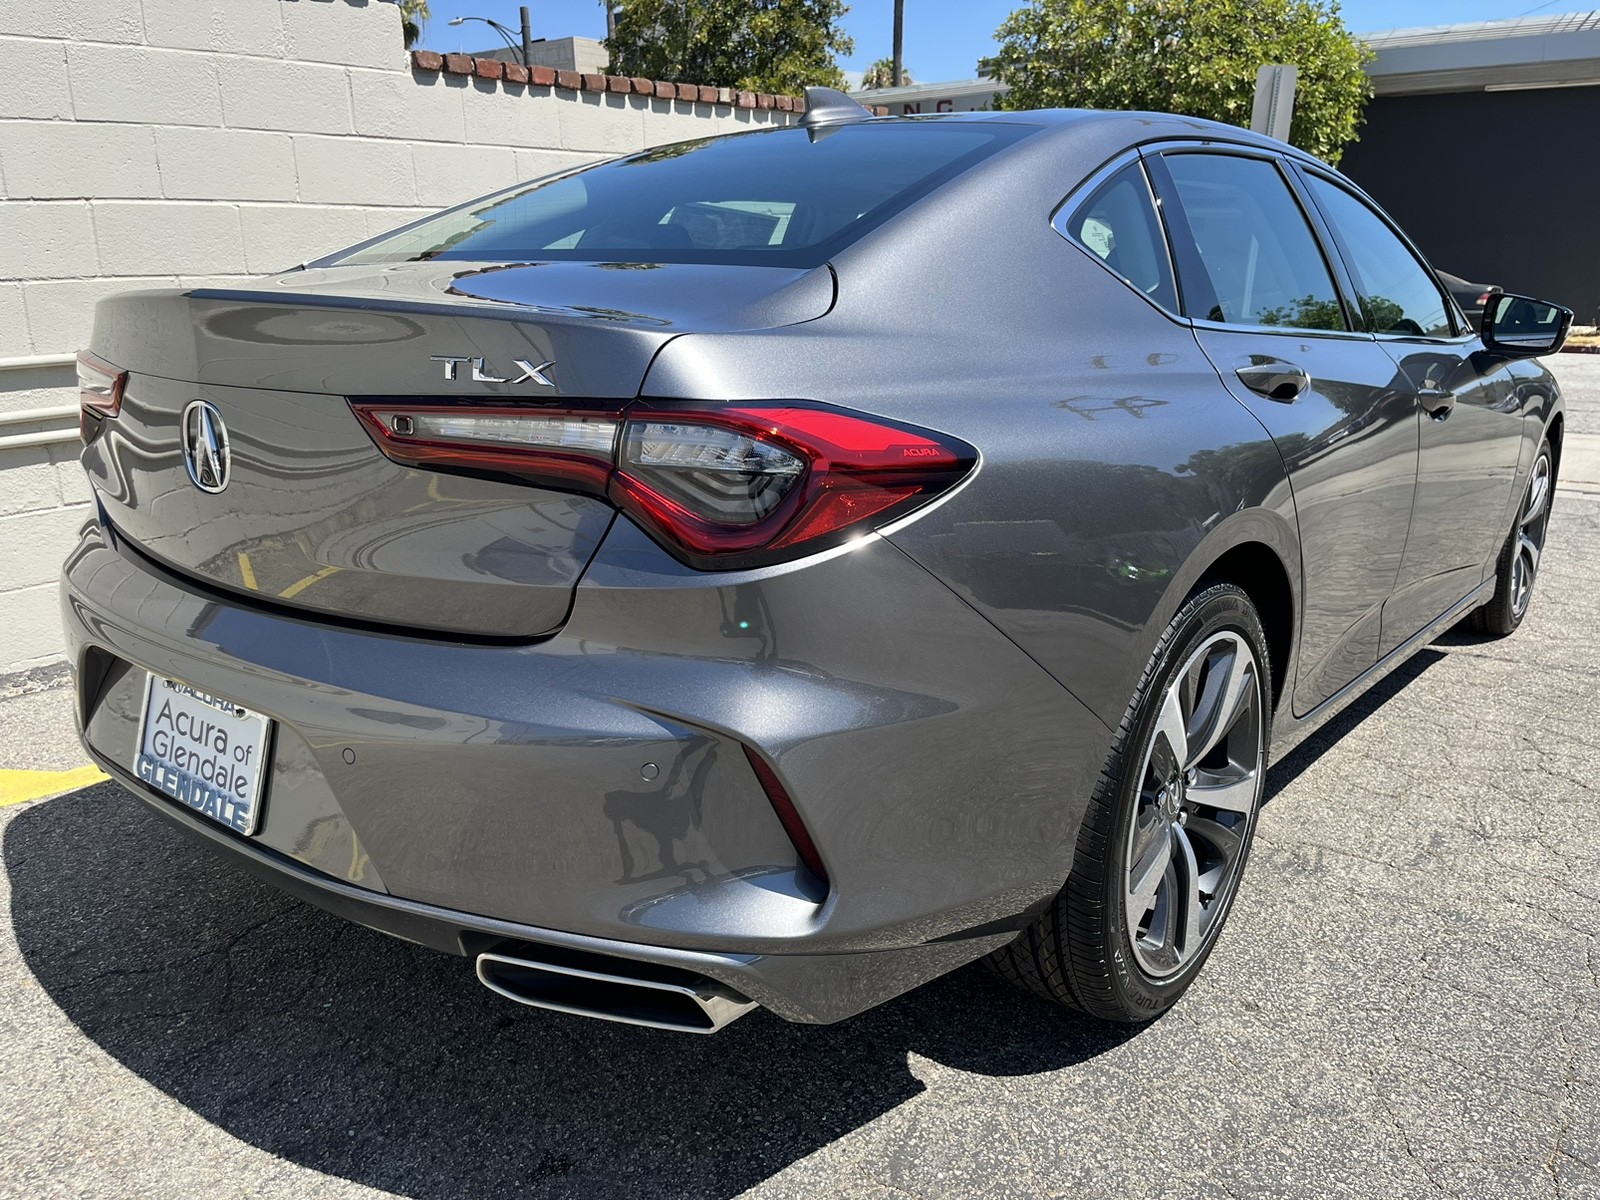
[413,16]
[881,75]
[756,45]
[1197,57]
[1308,312]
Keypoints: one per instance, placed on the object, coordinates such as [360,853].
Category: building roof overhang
[1525,52]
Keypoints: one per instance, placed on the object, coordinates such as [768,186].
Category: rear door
[1468,416]
[1270,314]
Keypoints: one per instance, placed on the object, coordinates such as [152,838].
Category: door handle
[1273,378]
[1436,402]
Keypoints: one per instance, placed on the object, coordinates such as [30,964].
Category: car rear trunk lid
[311,515]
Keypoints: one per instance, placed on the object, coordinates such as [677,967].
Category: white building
[967,95]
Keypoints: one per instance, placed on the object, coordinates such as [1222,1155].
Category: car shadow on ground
[1299,760]
[363,1057]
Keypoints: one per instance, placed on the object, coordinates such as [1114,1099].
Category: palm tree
[881,75]
[413,14]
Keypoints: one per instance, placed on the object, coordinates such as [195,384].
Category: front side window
[785,198]
[1255,246]
[1118,224]
[1398,295]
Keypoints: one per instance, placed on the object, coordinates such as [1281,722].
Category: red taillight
[100,387]
[722,486]
[745,484]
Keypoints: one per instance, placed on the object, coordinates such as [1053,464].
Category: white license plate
[203,751]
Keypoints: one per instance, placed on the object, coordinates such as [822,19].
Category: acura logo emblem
[205,446]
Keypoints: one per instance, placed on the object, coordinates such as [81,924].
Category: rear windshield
[784,198]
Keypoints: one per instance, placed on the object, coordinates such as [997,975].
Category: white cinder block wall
[156,143]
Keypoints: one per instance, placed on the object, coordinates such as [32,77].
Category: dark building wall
[1496,187]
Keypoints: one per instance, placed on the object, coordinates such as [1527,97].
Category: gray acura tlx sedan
[780,568]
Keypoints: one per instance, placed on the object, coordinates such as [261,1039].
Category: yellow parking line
[247,571]
[19,786]
[294,589]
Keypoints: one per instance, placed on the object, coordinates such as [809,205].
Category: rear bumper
[469,797]
[806,988]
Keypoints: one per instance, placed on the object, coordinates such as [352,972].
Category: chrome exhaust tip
[613,989]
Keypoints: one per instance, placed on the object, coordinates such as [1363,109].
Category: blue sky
[943,39]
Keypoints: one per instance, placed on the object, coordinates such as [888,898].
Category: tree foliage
[413,15]
[1196,57]
[881,75]
[756,45]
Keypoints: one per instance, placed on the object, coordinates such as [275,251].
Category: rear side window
[1118,224]
[1257,250]
[788,197]
[1398,295]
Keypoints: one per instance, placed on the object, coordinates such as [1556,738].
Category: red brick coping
[515,74]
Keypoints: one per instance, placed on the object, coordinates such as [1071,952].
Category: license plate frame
[205,752]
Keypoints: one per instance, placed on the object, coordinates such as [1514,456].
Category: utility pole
[527,39]
[899,39]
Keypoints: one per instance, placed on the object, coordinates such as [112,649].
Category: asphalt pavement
[1406,1001]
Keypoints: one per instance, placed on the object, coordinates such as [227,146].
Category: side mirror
[1522,327]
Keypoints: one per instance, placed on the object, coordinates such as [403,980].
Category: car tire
[1127,935]
[1517,568]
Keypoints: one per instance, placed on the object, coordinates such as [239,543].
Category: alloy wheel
[1532,524]
[1199,787]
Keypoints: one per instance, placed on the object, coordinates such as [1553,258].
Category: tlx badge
[531,372]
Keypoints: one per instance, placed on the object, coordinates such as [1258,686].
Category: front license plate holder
[203,751]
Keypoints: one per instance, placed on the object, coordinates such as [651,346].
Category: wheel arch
[1257,551]
[1256,569]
